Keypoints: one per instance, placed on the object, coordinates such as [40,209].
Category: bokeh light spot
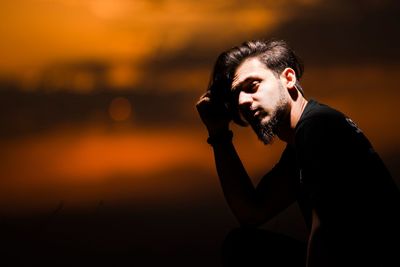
[120,109]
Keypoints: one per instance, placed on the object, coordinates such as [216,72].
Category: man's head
[256,81]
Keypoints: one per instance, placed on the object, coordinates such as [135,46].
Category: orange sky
[39,32]
[53,41]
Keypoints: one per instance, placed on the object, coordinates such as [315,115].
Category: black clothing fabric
[338,174]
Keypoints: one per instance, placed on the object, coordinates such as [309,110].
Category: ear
[288,77]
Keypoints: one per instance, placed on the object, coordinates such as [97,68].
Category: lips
[251,115]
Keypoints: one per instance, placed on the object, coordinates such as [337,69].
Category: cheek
[269,98]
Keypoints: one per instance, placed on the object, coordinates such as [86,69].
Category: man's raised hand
[214,115]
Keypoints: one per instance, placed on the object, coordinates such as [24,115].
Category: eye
[250,86]
[253,86]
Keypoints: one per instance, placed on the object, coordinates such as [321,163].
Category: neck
[296,109]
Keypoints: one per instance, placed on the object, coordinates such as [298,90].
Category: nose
[245,99]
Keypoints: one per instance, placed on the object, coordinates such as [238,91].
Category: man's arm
[251,206]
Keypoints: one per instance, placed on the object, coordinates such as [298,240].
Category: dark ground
[177,234]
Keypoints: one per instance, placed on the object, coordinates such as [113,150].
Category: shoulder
[316,113]
[326,129]
[321,121]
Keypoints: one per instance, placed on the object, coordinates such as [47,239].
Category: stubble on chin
[267,131]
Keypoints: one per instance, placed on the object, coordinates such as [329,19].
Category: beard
[266,131]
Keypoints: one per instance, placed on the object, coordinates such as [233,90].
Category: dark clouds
[331,32]
[24,113]
[325,34]
[345,32]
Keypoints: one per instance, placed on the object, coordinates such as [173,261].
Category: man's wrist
[224,136]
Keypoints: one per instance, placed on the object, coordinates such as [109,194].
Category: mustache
[251,115]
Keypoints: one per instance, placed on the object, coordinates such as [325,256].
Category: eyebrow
[245,81]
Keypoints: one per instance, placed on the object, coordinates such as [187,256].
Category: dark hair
[275,54]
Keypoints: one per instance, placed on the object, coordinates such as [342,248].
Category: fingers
[213,114]
[209,108]
[205,96]
[206,107]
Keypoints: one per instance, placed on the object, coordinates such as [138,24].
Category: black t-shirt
[339,175]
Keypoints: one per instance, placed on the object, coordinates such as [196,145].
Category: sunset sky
[98,95]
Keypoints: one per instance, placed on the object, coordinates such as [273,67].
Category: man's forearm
[237,186]
[238,189]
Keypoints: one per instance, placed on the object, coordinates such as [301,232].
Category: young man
[348,199]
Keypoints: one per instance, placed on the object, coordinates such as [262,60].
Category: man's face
[262,99]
